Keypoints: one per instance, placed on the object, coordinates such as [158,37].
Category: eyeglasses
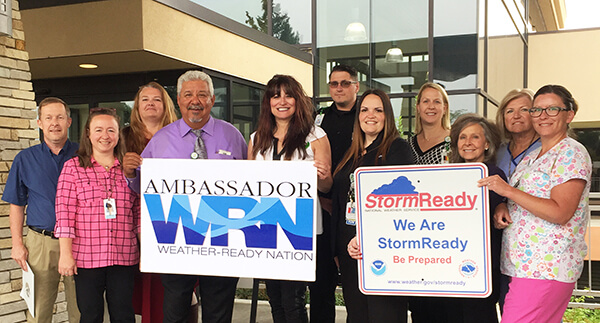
[550,111]
[344,84]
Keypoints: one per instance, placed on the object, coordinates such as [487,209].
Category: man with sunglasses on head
[337,120]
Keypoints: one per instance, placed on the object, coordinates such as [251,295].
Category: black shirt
[398,154]
[338,125]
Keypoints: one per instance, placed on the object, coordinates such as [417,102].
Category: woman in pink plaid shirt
[97,222]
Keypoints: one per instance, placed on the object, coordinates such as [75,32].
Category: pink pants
[536,300]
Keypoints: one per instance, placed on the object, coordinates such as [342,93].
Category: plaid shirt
[97,241]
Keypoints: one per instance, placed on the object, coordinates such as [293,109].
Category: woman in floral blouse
[543,243]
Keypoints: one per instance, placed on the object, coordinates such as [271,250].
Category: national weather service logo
[468,268]
[378,267]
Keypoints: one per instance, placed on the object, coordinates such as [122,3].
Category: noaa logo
[468,268]
[378,267]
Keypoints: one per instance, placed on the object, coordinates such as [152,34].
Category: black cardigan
[398,154]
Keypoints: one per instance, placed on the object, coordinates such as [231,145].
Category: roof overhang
[150,35]
[547,15]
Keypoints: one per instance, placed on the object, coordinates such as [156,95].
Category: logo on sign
[400,193]
[468,268]
[378,267]
[259,224]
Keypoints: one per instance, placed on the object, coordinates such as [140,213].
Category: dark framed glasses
[344,84]
[550,111]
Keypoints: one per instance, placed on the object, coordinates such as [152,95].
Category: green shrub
[581,315]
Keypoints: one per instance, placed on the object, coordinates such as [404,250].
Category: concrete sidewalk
[241,312]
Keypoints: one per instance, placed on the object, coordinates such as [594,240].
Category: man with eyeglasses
[337,120]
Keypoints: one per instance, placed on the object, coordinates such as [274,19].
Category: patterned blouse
[535,248]
[432,156]
[97,241]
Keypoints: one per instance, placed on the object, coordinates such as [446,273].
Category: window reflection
[238,10]
[79,115]
[246,108]
[221,106]
[590,138]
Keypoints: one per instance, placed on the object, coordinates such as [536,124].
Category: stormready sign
[424,230]
[229,218]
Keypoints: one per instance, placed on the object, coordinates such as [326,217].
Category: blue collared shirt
[32,181]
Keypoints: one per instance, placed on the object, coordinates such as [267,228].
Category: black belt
[43,231]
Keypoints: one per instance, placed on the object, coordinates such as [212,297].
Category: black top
[338,126]
[432,156]
[398,154]
[495,234]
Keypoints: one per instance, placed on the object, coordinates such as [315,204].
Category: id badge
[110,209]
[351,213]
[319,119]
[445,157]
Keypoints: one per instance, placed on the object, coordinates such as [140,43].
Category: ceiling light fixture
[394,54]
[88,65]
[355,31]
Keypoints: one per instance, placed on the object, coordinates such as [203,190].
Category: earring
[486,148]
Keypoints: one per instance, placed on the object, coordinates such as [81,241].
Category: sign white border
[236,197]
[445,251]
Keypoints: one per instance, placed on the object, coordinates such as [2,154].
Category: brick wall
[18,130]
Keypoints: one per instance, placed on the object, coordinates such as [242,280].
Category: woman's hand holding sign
[354,249]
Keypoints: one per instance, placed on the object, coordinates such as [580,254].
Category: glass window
[403,112]
[220,109]
[122,108]
[461,104]
[455,44]
[246,108]
[242,11]
[590,138]
[291,21]
[79,116]
[289,18]
[370,38]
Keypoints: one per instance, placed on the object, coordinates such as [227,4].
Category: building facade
[477,49]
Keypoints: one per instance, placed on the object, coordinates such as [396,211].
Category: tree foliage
[282,29]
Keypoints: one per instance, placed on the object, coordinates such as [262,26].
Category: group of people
[84,213]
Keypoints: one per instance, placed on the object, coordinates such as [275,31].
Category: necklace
[523,154]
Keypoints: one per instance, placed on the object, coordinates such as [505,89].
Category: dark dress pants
[117,282]
[362,308]
[216,297]
[322,291]
[288,301]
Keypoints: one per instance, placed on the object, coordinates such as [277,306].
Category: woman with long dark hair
[286,131]
[375,142]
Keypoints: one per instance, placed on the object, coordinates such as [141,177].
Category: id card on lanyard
[351,203]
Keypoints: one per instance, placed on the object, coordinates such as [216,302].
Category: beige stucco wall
[505,64]
[187,38]
[87,28]
[117,26]
[571,59]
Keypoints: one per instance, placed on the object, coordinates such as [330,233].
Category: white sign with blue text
[237,218]
[424,230]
